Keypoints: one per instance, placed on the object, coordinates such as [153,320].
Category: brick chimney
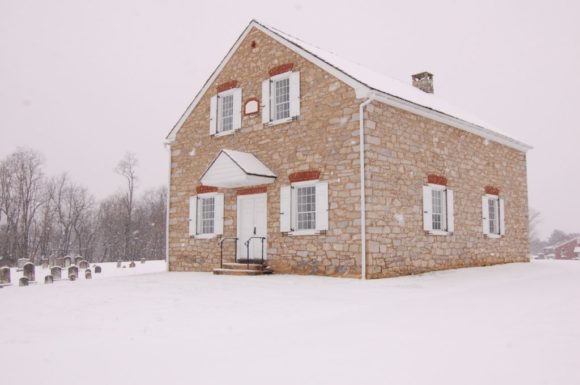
[423,81]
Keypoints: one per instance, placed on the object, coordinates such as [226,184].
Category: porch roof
[232,169]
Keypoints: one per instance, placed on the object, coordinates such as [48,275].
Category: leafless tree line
[42,215]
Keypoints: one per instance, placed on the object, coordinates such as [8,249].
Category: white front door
[252,213]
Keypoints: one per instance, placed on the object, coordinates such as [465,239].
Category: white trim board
[361,89]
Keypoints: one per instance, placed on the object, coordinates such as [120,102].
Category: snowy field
[510,324]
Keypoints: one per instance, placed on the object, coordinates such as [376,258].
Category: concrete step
[242,272]
[243,266]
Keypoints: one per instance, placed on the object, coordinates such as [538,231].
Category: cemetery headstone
[5,275]
[97,269]
[22,262]
[119,263]
[88,274]
[132,264]
[72,277]
[73,271]
[45,264]
[56,272]
[29,271]
[67,261]
[83,264]
[48,279]
[23,281]
[59,262]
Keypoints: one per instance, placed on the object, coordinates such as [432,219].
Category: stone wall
[402,150]
[324,138]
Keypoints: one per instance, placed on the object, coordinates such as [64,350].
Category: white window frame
[293,98]
[273,81]
[216,106]
[220,98]
[500,220]
[216,217]
[448,215]
[320,209]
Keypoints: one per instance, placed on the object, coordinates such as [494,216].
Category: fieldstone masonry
[402,150]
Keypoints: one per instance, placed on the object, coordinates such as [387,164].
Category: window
[281,98]
[438,211]
[304,208]
[493,213]
[206,213]
[226,113]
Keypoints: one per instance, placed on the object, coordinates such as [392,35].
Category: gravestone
[119,263]
[52,260]
[23,281]
[77,259]
[97,269]
[5,275]
[48,279]
[83,264]
[142,260]
[22,262]
[59,262]
[56,272]
[28,270]
[45,264]
[73,271]
[88,274]
[132,264]
[67,261]
[72,277]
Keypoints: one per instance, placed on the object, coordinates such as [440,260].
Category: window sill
[280,121]
[438,232]
[304,232]
[224,133]
[493,236]
[204,236]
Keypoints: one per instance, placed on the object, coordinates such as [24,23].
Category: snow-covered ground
[510,324]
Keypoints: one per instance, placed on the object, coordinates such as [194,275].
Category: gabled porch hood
[233,169]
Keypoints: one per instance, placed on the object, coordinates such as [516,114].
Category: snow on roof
[385,84]
[249,163]
[362,79]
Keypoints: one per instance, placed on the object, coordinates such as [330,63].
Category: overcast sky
[85,81]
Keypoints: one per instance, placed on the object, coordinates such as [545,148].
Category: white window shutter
[218,212]
[294,94]
[193,216]
[285,208]
[450,212]
[485,215]
[501,217]
[237,123]
[322,206]
[427,209]
[213,119]
[266,101]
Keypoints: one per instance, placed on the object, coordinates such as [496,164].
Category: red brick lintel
[301,176]
[437,179]
[252,190]
[281,69]
[227,86]
[201,189]
[491,190]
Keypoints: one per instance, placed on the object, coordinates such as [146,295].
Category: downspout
[363,217]
[168,147]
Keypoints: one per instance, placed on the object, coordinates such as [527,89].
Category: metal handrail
[221,242]
[247,243]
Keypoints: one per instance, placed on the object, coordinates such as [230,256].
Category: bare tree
[127,169]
